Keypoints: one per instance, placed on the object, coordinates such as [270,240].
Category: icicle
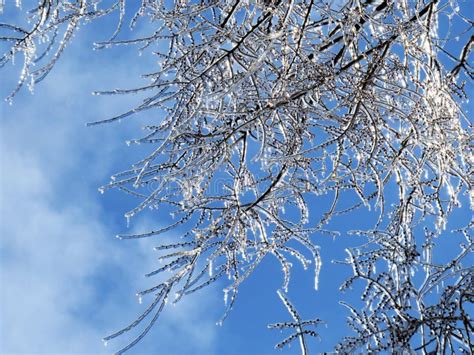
[210,268]
[226,295]
[450,190]
[31,85]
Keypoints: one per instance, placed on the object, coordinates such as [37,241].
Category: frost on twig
[298,325]
[411,302]
[43,35]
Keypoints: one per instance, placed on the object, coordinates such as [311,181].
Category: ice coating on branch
[297,325]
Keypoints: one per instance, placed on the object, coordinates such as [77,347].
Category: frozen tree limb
[267,104]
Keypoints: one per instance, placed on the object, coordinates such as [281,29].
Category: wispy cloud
[65,281]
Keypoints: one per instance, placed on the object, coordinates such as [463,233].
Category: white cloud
[65,281]
[49,279]
[48,255]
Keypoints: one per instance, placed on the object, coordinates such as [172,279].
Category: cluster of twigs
[265,103]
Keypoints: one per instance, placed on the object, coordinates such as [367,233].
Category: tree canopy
[262,107]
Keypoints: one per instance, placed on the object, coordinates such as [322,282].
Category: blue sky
[66,281]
